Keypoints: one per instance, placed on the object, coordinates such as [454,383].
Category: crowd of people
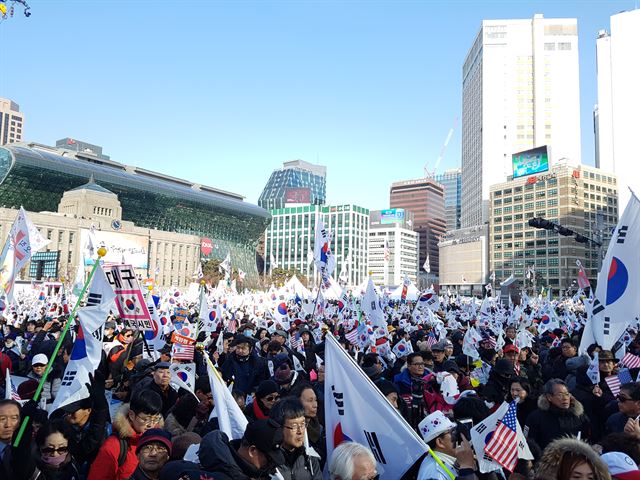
[442,384]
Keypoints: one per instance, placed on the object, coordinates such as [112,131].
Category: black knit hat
[266,387]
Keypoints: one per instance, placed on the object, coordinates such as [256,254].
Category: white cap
[620,463]
[434,425]
[40,359]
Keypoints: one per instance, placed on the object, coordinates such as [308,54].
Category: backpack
[124,449]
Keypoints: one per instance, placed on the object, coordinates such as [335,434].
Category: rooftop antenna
[432,173]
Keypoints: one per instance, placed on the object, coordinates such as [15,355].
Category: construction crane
[432,173]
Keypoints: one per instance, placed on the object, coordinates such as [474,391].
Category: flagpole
[101,253]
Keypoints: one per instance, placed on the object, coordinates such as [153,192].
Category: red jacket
[105,466]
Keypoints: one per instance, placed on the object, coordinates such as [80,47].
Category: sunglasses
[271,398]
[52,451]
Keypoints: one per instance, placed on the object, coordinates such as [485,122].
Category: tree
[280,276]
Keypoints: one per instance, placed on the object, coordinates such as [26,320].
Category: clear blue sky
[223,92]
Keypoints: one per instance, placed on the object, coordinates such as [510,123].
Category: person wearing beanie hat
[267,394]
[243,366]
[497,386]
[153,451]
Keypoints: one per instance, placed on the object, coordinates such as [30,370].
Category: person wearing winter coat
[265,398]
[497,386]
[567,458]
[116,459]
[252,458]
[53,382]
[559,414]
[153,452]
[53,456]
[243,366]
[297,463]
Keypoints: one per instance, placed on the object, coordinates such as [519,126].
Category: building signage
[392,215]
[206,246]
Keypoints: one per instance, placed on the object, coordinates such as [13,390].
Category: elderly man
[153,452]
[445,460]
[352,461]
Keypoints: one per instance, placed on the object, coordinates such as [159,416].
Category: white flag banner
[156,337]
[87,348]
[379,426]
[427,265]
[24,239]
[593,372]
[183,375]
[372,307]
[230,418]
[616,299]
[482,433]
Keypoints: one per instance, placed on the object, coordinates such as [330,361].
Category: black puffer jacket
[548,422]
[219,455]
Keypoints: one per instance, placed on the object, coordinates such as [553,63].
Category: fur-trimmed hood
[122,426]
[575,407]
[550,461]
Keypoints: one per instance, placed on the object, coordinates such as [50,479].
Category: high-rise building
[11,122]
[290,239]
[582,199]
[80,146]
[520,89]
[616,125]
[392,226]
[451,180]
[297,182]
[424,198]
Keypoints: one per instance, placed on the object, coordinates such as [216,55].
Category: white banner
[355,410]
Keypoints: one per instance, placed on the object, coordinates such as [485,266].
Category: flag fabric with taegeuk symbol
[402,348]
[379,426]
[183,375]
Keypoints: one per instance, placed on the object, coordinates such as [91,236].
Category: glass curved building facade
[35,177]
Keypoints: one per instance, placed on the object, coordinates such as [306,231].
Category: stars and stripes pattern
[352,336]
[616,381]
[183,352]
[630,360]
[503,446]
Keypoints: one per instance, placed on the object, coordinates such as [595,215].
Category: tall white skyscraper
[616,115]
[520,90]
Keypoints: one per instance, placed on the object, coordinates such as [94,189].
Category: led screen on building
[121,247]
[530,162]
[297,195]
[392,215]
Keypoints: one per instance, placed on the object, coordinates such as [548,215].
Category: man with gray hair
[352,461]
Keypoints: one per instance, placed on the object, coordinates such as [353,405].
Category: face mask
[54,461]
[247,333]
[242,358]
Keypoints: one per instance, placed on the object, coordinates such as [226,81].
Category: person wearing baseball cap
[445,459]
[621,466]
[153,451]
[254,456]
[52,384]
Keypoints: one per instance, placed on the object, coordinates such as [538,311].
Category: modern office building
[520,89]
[388,266]
[582,199]
[464,260]
[424,198]
[616,125]
[36,177]
[451,180]
[297,182]
[290,238]
[76,145]
[11,122]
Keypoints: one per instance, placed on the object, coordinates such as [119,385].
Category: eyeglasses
[623,399]
[271,398]
[300,427]
[561,394]
[149,421]
[154,449]
[128,335]
[50,451]
[416,364]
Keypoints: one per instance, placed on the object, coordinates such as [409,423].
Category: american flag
[352,335]
[616,381]
[493,343]
[431,340]
[631,361]
[294,341]
[503,446]
[183,352]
